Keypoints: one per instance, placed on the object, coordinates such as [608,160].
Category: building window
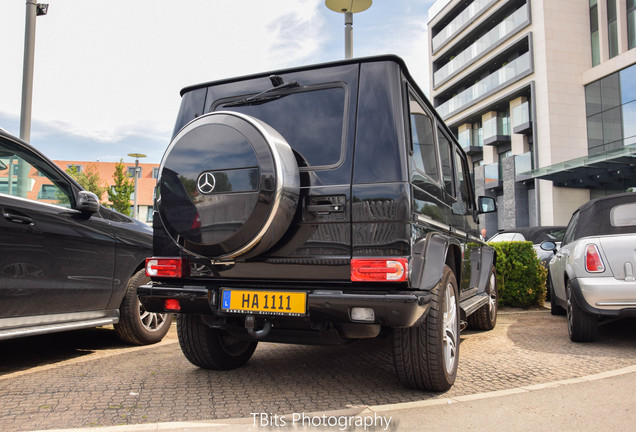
[596,54]
[155,172]
[631,23]
[149,214]
[78,168]
[612,27]
[611,111]
[131,172]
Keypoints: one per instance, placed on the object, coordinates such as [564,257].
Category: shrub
[521,277]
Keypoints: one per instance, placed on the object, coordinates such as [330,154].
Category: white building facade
[542,96]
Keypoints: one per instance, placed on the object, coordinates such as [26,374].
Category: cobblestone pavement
[87,378]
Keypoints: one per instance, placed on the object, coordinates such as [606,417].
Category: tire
[211,348]
[426,356]
[582,326]
[136,325]
[229,186]
[485,318]
[555,309]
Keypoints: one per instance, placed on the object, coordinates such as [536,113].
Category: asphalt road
[89,379]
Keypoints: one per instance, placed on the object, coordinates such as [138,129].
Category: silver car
[591,275]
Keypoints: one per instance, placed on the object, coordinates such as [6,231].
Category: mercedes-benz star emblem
[206,183]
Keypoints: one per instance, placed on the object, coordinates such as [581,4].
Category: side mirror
[486,205]
[548,246]
[87,202]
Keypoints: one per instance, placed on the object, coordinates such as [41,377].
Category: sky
[108,74]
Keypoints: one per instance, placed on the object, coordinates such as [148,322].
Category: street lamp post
[348,8]
[136,156]
[33,9]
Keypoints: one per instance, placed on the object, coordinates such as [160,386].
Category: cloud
[109,73]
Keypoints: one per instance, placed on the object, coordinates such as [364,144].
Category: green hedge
[521,277]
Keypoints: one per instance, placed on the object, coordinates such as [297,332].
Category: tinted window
[463,180]
[312,122]
[423,141]
[445,156]
[24,175]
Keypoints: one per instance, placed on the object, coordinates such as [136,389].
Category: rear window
[311,120]
[623,215]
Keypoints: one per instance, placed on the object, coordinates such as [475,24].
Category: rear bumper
[394,309]
[606,296]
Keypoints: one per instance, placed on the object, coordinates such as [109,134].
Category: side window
[445,152]
[463,179]
[424,155]
[23,175]
[571,228]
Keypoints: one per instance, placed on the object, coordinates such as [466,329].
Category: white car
[592,274]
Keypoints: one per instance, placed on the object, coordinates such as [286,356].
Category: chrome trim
[623,303]
[41,324]
[54,328]
[431,221]
[38,320]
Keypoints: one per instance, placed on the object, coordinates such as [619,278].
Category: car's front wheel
[582,326]
[426,356]
[136,325]
[211,348]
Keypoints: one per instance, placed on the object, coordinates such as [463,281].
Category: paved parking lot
[88,378]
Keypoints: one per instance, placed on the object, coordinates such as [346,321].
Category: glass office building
[542,96]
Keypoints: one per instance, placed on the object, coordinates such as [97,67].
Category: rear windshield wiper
[265,96]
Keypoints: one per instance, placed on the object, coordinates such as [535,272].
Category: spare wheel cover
[228,186]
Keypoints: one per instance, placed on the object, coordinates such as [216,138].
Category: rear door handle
[17,217]
[325,208]
[322,205]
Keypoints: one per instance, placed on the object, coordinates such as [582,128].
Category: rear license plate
[264,302]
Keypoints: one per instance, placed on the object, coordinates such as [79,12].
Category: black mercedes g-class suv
[319,205]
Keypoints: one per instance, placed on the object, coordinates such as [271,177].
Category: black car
[319,205]
[66,262]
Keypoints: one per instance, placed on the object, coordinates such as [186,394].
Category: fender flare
[429,257]
[488,258]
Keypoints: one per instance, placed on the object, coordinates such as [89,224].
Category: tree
[89,179]
[123,189]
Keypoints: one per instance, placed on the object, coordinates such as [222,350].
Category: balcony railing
[484,44]
[498,125]
[471,141]
[504,75]
[491,173]
[521,121]
[473,10]
[523,163]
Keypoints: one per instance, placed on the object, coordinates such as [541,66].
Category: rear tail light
[164,267]
[593,261]
[379,269]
